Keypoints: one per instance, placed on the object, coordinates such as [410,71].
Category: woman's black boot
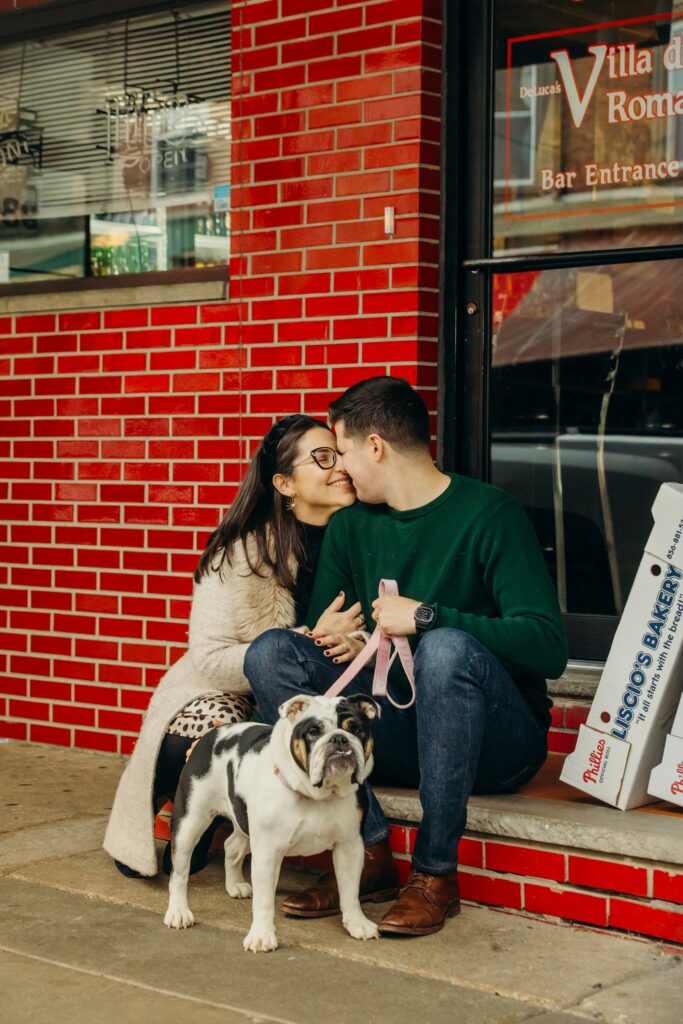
[128,872]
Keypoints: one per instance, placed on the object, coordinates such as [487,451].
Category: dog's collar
[304,796]
[283,780]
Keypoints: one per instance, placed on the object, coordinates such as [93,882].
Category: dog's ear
[293,707]
[366,705]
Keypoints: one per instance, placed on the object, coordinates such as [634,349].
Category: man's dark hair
[387,406]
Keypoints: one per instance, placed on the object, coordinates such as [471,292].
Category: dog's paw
[178,917]
[361,928]
[239,890]
[260,941]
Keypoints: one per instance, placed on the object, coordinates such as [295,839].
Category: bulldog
[289,789]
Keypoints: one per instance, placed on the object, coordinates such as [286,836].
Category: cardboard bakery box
[666,780]
[640,687]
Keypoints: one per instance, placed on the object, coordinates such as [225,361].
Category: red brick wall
[336,115]
[123,433]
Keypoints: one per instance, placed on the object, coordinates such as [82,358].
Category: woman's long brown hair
[259,510]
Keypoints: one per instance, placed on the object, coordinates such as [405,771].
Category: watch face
[424,615]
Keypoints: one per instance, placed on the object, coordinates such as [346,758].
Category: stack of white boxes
[666,780]
[625,734]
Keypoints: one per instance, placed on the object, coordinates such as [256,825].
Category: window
[515,161]
[586,415]
[602,133]
[674,83]
[564,380]
[115,148]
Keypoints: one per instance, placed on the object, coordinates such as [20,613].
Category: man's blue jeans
[470,729]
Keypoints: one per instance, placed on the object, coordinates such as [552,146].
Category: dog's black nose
[340,741]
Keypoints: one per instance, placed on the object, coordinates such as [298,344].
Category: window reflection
[587,416]
[114,147]
[588,142]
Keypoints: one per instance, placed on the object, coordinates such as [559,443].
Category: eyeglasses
[325,458]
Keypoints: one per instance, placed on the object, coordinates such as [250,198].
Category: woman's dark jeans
[470,729]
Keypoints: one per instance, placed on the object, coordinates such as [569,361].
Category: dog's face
[331,738]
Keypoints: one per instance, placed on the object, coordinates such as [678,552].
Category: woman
[256,574]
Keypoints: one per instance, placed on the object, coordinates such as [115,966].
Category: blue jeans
[470,729]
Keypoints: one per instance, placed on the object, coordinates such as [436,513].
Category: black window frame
[468,268]
[58,17]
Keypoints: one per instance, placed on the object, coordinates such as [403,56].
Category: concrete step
[76,933]
[579,680]
[552,851]
[548,811]
[81,942]
[549,850]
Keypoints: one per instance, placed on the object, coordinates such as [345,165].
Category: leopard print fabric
[198,716]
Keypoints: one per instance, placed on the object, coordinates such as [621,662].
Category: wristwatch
[424,616]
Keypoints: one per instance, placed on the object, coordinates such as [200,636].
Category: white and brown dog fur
[289,789]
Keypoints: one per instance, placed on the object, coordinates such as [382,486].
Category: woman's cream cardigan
[229,610]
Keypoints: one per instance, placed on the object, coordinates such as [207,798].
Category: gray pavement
[79,941]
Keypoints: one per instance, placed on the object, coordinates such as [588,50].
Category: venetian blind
[62,86]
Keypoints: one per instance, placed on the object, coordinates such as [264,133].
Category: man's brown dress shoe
[378,883]
[424,904]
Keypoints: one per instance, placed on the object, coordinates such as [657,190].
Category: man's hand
[334,620]
[395,616]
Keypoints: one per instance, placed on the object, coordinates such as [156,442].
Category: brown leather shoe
[423,906]
[378,883]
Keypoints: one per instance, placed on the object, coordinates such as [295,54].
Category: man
[481,613]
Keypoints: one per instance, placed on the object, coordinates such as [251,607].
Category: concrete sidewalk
[77,940]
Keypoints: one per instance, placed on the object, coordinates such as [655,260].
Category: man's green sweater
[474,553]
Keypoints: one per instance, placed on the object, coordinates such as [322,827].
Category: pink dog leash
[380,645]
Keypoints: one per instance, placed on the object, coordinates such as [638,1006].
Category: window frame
[61,16]
[469,265]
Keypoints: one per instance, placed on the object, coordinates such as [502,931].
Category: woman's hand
[334,620]
[340,647]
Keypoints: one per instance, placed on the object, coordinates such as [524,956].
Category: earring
[290,504]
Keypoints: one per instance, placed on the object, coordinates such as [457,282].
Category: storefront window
[115,147]
[588,140]
[586,415]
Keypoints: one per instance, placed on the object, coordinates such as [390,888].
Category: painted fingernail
[326,653]
[318,642]
[336,661]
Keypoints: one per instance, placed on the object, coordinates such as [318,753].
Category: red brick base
[567,716]
[599,890]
